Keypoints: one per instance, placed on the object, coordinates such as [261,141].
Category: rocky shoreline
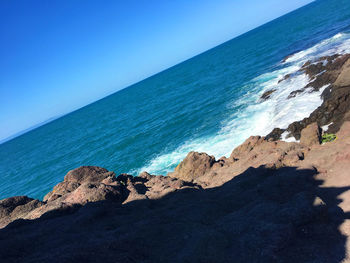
[333,74]
[270,201]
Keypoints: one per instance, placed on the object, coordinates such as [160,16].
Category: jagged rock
[52,209]
[15,208]
[87,174]
[267,94]
[80,186]
[60,190]
[245,147]
[285,78]
[275,135]
[9,204]
[323,72]
[21,211]
[336,97]
[265,200]
[193,166]
[311,135]
[89,192]
[343,79]
[289,56]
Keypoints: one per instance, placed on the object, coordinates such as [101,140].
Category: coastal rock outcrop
[193,166]
[270,200]
[332,71]
[16,207]
[311,135]
[88,184]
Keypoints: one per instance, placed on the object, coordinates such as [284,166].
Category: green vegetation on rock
[328,137]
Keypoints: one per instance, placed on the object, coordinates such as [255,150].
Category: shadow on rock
[261,215]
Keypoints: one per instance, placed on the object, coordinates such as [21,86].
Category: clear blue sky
[59,55]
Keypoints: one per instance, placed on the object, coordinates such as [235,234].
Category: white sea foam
[289,139]
[338,44]
[260,117]
[325,127]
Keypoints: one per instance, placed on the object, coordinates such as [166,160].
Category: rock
[52,209]
[323,72]
[60,190]
[146,175]
[311,135]
[285,78]
[87,174]
[289,56]
[267,94]
[245,147]
[294,93]
[271,201]
[16,207]
[336,97]
[344,77]
[313,69]
[9,204]
[321,80]
[22,210]
[275,134]
[193,166]
[89,192]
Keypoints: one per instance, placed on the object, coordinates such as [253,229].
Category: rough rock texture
[336,97]
[16,207]
[311,135]
[193,166]
[88,184]
[344,77]
[270,201]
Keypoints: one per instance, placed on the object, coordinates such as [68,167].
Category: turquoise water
[209,103]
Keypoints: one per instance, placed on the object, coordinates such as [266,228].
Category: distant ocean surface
[210,103]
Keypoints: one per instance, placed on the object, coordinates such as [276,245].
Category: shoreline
[333,76]
[285,197]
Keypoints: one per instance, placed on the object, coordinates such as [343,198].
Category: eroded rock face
[343,79]
[89,184]
[282,200]
[87,174]
[194,165]
[16,207]
[60,190]
[80,186]
[311,135]
[265,199]
[336,97]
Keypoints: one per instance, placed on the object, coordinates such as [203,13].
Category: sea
[210,103]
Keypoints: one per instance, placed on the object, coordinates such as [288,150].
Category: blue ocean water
[209,103]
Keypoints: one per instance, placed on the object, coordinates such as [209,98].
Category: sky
[59,55]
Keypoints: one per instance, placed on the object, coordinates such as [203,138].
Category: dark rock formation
[322,72]
[16,207]
[336,104]
[267,94]
[275,135]
[285,78]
